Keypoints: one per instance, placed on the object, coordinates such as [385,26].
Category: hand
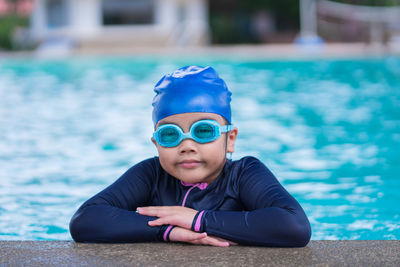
[179,234]
[175,215]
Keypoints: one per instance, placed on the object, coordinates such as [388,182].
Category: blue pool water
[328,129]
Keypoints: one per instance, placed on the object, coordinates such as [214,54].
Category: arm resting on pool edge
[272,227]
[271,217]
[105,223]
[110,215]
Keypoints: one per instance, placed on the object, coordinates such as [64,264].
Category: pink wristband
[198,222]
[167,232]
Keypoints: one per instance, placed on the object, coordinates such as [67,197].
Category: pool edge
[325,253]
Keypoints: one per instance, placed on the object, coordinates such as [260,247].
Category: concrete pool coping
[320,253]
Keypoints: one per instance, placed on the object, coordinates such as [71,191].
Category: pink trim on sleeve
[167,232]
[198,222]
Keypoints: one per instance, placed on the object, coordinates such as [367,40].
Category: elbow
[291,231]
[81,227]
[303,236]
[75,229]
[300,234]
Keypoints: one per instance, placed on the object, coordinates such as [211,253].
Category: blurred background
[315,97]
[123,24]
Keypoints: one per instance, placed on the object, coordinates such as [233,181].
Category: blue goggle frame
[202,131]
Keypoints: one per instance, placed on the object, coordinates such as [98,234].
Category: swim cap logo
[181,73]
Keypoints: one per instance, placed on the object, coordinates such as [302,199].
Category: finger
[179,216]
[215,242]
[174,220]
[154,210]
[196,236]
[211,242]
[184,235]
[161,221]
[164,211]
[224,240]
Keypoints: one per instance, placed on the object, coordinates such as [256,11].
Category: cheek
[216,149]
[166,157]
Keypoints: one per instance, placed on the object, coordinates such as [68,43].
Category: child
[191,192]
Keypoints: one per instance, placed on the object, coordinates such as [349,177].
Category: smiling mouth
[189,164]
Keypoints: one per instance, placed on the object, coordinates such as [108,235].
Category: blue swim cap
[191,89]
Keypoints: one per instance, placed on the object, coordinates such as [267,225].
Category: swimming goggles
[202,131]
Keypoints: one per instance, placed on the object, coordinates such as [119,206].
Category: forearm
[270,226]
[105,223]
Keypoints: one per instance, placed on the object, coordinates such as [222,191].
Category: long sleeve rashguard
[245,204]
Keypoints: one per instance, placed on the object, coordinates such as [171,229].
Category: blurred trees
[263,21]
[10,22]
[255,21]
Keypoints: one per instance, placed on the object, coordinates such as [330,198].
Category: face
[192,162]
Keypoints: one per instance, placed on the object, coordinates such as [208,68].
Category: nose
[187,146]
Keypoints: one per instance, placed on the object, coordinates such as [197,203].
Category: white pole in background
[308,23]
[308,18]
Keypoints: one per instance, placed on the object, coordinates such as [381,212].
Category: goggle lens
[168,135]
[204,131]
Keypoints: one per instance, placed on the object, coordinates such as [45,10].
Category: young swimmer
[191,192]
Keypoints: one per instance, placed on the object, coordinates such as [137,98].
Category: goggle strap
[226,128]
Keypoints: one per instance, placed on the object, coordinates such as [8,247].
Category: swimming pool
[328,129]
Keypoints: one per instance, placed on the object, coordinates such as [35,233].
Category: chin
[192,180]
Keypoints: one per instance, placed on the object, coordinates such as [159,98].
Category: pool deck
[316,253]
[239,52]
[258,51]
